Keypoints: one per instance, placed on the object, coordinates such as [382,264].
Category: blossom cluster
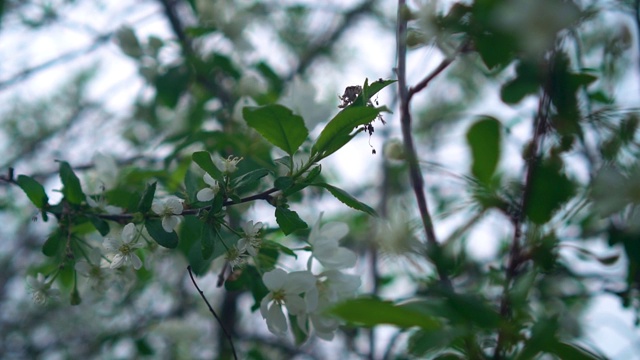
[306,295]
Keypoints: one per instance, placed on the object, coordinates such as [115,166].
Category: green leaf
[495,49]
[249,179]
[171,85]
[337,132]
[372,312]
[368,91]
[53,244]
[72,190]
[549,189]
[279,125]
[525,83]
[278,246]
[473,309]
[484,140]
[288,220]
[100,225]
[163,238]
[147,198]
[203,159]
[192,186]
[347,199]
[283,183]
[210,234]
[574,352]
[33,189]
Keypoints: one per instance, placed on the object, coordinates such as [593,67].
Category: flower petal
[209,180]
[264,305]
[157,207]
[128,233]
[334,230]
[274,279]
[300,281]
[169,223]
[174,205]
[111,244]
[276,321]
[135,260]
[295,304]
[117,261]
[205,194]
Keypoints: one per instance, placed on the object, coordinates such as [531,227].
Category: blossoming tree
[225,209]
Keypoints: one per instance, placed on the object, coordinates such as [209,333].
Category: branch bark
[417,181]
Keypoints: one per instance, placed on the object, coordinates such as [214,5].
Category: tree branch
[318,48]
[71,55]
[516,257]
[417,181]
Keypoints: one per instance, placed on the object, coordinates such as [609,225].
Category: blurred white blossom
[93,270]
[41,290]
[324,241]
[251,242]
[236,257]
[101,205]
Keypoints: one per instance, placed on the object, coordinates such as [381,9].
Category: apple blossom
[93,270]
[250,242]
[331,287]
[228,165]
[284,291]
[41,291]
[208,193]
[122,251]
[169,211]
[325,247]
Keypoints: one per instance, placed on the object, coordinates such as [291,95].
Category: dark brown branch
[226,333]
[516,257]
[417,181]
[443,65]
[265,195]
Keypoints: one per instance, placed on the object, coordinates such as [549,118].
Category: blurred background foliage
[527,142]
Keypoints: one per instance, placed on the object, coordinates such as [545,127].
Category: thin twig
[226,333]
[190,55]
[66,57]
[417,181]
[328,40]
[516,257]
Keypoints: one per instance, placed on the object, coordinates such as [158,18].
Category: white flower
[325,247]
[101,204]
[123,250]
[208,193]
[93,270]
[235,257]
[41,291]
[250,243]
[331,287]
[168,210]
[284,290]
[228,165]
